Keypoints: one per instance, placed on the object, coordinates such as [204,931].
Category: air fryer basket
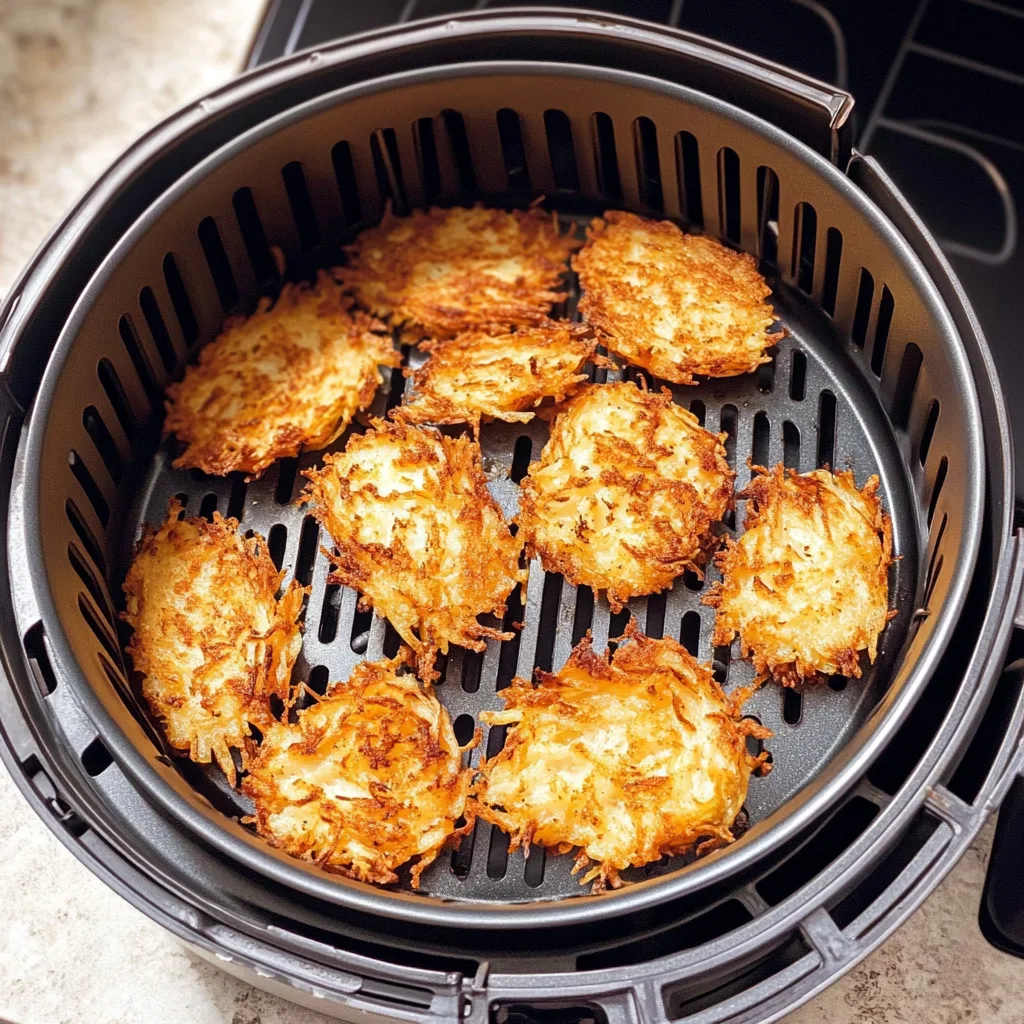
[873,375]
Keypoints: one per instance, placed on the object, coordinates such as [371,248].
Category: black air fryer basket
[878,784]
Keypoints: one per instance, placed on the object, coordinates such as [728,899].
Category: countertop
[79,79]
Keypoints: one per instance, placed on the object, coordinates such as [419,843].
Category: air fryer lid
[309,192]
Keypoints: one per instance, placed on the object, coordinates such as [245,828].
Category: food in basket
[806,585]
[674,304]
[212,640]
[418,535]
[286,379]
[625,758]
[625,493]
[368,778]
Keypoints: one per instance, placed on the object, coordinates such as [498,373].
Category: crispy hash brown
[673,303]
[441,272]
[499,376]
[212,641]
[625,492]
[368,778]
[627,758]
[806,586]
[288,378]
[418,535]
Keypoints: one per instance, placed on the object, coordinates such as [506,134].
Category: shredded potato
[437,273]
[369,777]
[288,378]
[672,303]
[212,641]
[806,585]
[418,535]
[625,492]
[627,758]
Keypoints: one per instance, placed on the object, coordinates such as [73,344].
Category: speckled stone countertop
[79,79]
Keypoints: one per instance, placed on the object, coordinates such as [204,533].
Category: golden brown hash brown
[368,778]
[627,758]
[806,586]
[212,641]
[286,379]
[418,535]
[625,492]
[440,272]
[673,303]
[499,376]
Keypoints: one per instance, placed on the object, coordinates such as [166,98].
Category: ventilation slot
[388,168]
[359,639]
[180,300]
[648,169]
[792,705]
[142,368]
[865,293]
[797,375]
[885,309]
[533,874]
[654,627]
[217,261]
[699,409]
[826,429]
[236,499]
[426,158]
[906,384]
[804,241]
[521,458]
[85,535]
[101,438]
[157,328]
[767,215]
[688,176]
[833,260]
[254,237]
[765,376]
[929,430]
[96,759]
[456,129]
[508,655]
[36,648]
[287,471]
[721,656]
[940,479]
[99,628]
[306,556]
[727,425]
[729,193]
[345,176]
[790,445]
[689,632]
[762,436]
[497,853]
[513,153]
[583,614]
[112,388]
[606,162]
[330,610]
[558,128]
[277,540]
[302,206]
[92,492]
[88,577]
[548,621]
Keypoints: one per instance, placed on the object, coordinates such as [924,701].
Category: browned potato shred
[369,778]
[626,758]
[212,641]
[673,303]
[418,535]
[806,585]
[478,375]
[440,272]
[625,492]
[287,379]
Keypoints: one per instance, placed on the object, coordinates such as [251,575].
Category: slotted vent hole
[929,430]
[826,429]
[688,176]
[508,656]
[655,625]
[885,311]
[790,445]
[96,759]
[306,556]
[89,579]
[692,581]
[761,439]
[616,627]
[797,375]
[837,682]
[392,641]
[936,549]
[765,376]
[359,639]
[689,632]
[426,158]
[236,498]
[497,854]
[699,409]
[81,473]
[720,664]
[833,261]
[218,263]
[513,153]
[792,705]
[727,423]
[648,169]
[180,301]
[277,540]
[208,506]
[254,237]
[583,614]
[940,479]
[388,167]
[113,389]
[301,205]
[157,328]
[39,659]
[143,370]
[521,458]
[104,443]
[288,471]
[561,152]
[464,726]
[606,161]
[767,215]
[548,623]
[804,243]
[729,193]
[455,127]
[99,628]
[471,666]
[906,385]
[862,314]
[932,580]
[85,535]
[533,873]
[319,679]
[345,176]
